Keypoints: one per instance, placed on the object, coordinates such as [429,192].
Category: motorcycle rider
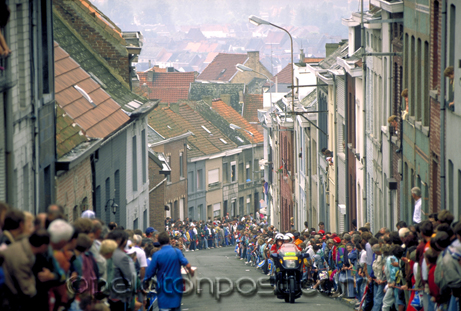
[279,240]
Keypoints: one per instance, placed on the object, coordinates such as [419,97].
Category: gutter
[158,185]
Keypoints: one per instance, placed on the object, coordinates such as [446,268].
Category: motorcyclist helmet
[286,239]
[290,236]
[278,236]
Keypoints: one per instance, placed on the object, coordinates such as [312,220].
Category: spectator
[13,228]
[4,17]
[18,261]
[166,264]
[416,194]
[394,122]
[404,94]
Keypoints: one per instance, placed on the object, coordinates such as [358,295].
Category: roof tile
[168,87]
[222,68]
[97,121]
[232,116]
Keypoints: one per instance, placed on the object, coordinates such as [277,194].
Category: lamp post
[259,21]
[236,127]
[243,68]
[113,207]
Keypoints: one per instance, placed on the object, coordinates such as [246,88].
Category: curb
[345,301]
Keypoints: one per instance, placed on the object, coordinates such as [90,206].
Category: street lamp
[243,68]
[113,207]
[259,21]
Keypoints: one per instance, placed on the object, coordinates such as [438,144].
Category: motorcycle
[287,279]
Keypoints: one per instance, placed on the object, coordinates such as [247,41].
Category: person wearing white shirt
[416,194]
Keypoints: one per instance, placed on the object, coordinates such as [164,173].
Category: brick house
[158,172]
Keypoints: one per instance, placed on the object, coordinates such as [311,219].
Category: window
[426,109]
[134,163]
[144,156]
[181,165]
[213,176]
[97,200]
[107,198]
[199,179]
[135,224]
[47,52]
[241,173]
[248,204]
[217,210]
[459,194]
[248,171]
[144,220]
[241,207]
[233,211]
[233,172]
[451,42]
[168,160]
[199,211]
[117,187]
[48,183]
[225,172]
[190,182]
[25,176]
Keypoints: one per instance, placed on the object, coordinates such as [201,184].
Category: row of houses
[337,155]
[73,133]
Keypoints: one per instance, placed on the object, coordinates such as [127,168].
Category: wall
[156,197]
[137,199]
[196,197]
[214,192]
[72,187]
[253,63]
[112,158]
[176,189]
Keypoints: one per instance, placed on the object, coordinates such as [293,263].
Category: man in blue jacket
[166,264]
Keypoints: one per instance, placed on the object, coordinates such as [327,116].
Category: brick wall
[73,187]
[102,39]
[434,83]
[156,197]
[286,184]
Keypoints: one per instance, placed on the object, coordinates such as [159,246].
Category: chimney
[207,99]
[150,64]
[169,69]
[174,107]
[253,56]
[330,48]
[150,76]
[227,99]
[301,56]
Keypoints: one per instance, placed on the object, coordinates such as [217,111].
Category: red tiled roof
[251,104]
[97,122]
[170,124]
[198,121]
[222,68]
[284,76]
[275,37]
[169,87]
[232,116]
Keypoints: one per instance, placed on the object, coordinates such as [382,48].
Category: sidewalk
[349,302]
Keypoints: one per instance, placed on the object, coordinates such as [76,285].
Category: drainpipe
[442,105]
[335,129]
[364,121]
[35,103]
[346,151]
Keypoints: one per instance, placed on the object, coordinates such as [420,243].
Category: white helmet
[290,236]
[279,236]
[286,238]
